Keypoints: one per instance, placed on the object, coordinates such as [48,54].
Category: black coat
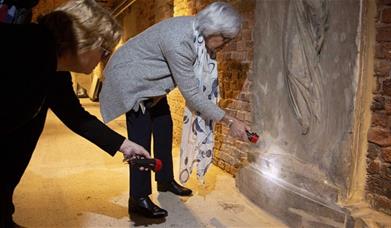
[31,85]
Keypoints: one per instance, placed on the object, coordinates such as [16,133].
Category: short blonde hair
[82,25]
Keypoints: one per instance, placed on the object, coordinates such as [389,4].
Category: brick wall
[146,13]
[184,7]
[163,9]
[45,6]
[378,187]
[235,64]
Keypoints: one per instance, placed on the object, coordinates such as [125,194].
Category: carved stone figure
[306,26]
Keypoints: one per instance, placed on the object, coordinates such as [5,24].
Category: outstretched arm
[64,103]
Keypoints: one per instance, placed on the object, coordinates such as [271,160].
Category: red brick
[379,51]
[379,136]
[387,106]
[374,167]
[373,151]
[248,117]
[386,15]
[228,168]
[382,67]
[379,9]
[373,183]
[230,47]
[386,154]
[380,119]
[248,35]
[378,103]
[241,45]
[380,202]
[385,170]
[383,34]
[386,49]
[234,171]
[246,107]
[247,5]
[387,87]
[386,2]
[221,164]
[376,87]
[379,185]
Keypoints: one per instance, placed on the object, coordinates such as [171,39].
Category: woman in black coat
[36,59]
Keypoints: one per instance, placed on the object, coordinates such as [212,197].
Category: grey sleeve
[180,61]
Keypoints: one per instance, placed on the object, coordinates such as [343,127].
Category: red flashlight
[151,163]
[252,136]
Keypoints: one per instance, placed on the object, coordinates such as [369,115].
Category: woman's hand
[237,128]
[132,150]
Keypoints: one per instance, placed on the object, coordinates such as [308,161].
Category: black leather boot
[173,187]
[145,207]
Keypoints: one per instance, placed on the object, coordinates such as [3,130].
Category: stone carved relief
[304,92]
[306,25]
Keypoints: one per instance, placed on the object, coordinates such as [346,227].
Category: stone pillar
[304,87]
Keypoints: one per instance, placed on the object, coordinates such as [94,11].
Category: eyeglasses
[105,52]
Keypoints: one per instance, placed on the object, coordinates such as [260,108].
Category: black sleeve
[27,59]
[64,103]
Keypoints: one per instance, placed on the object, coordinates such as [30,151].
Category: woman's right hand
[132,150]
[237,128]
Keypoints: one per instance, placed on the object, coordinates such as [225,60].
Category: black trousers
[16,151]
[155,121]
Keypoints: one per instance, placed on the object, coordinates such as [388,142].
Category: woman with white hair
[179,51]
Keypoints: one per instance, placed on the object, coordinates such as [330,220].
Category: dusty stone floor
[72,183]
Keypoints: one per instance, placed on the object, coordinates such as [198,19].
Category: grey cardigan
[151,64]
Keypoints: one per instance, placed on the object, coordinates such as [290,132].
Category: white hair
[218,18]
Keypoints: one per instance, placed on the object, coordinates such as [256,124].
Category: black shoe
[173,187]
[146,207]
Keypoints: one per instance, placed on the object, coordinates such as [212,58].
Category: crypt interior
[311,77]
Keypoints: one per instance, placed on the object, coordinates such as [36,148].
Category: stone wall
[304,90]
[379,135]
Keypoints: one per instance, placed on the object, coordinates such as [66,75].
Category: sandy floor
[72,183]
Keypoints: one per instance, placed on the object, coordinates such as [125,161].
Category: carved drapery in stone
[304,85]
[306,25]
